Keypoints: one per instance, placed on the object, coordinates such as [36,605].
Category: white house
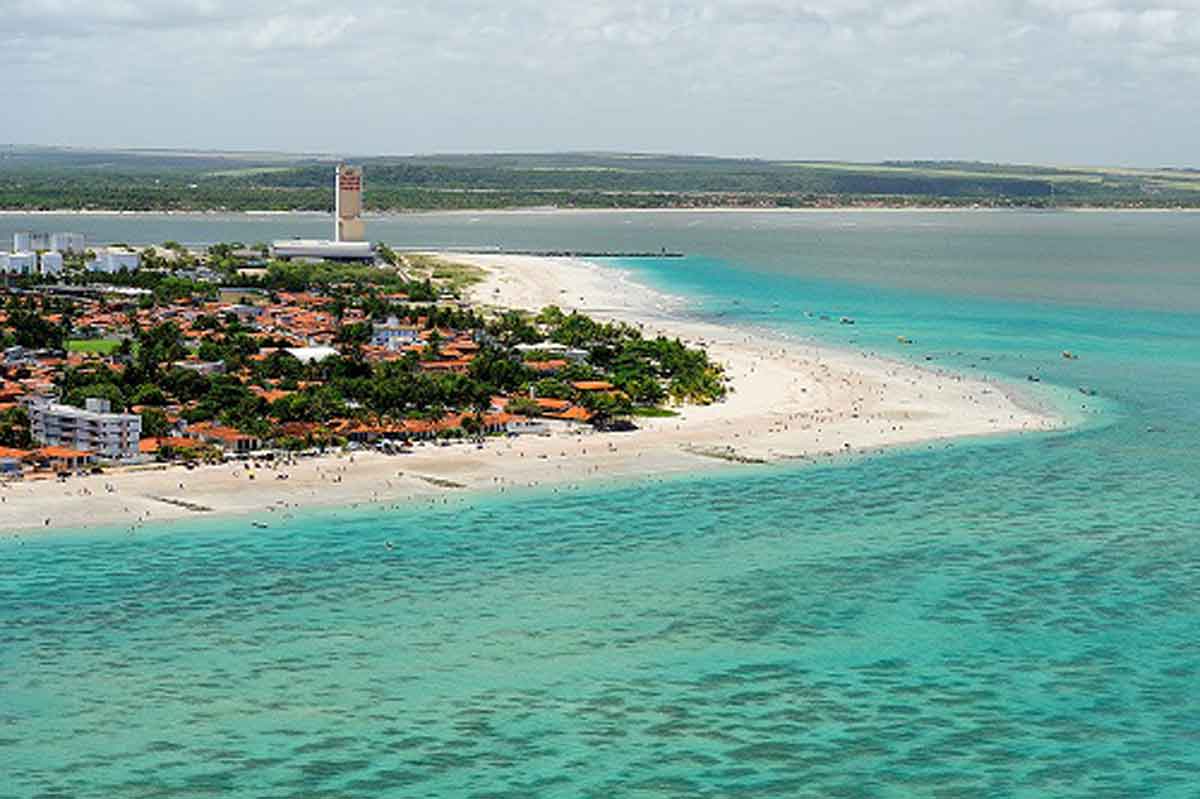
[393,335]
[311,354]
[523,426]
[554,349]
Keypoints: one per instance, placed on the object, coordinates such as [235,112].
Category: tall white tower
[348,186]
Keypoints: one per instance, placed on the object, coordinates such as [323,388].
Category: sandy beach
[789,402]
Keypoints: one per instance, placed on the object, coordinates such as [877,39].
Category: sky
[1113,82]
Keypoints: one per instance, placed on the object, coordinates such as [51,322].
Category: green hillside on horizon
[182,180]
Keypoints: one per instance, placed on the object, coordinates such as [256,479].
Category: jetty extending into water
[661,253]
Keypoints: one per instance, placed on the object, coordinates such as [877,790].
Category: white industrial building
[113,259]
[94,429]
[320,250]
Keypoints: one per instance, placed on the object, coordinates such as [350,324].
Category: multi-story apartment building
[19,263]
[52,263]
[114,259]
[93,429]
[62,242]
[68,242]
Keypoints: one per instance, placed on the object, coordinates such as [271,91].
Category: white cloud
[288,32]
[836,78]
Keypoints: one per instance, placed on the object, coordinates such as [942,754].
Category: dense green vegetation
[14,428]
[49,178]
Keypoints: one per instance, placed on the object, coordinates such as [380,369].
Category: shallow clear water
[1005,618]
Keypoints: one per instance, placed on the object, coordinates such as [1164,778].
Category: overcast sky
[1048,81]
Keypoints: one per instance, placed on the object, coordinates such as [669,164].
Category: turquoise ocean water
[1016,617]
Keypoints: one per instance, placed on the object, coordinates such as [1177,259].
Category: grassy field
[654,413]
[98,346]
[455,275]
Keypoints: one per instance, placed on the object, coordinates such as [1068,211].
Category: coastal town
[199,355]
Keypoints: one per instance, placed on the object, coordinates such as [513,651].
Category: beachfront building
[62,459]
[111,260]
[12,461]
[94,428]
[228,439]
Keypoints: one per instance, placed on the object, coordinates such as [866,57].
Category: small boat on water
[846,320]
[904,339]
[1087,392]
[1034,379]
[260,525]
[1070,356]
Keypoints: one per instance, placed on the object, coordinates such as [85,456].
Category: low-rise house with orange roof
[572,414]
[12,461]
[592,385]
[10,392]
[165,444]
[551,405]
[270,394]
[298,429]
[227,438]
[457,365]
[551,367]
[62,459]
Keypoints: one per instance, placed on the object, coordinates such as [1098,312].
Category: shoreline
[552,210]
[790,401]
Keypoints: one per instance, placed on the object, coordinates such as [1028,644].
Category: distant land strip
[45,179]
